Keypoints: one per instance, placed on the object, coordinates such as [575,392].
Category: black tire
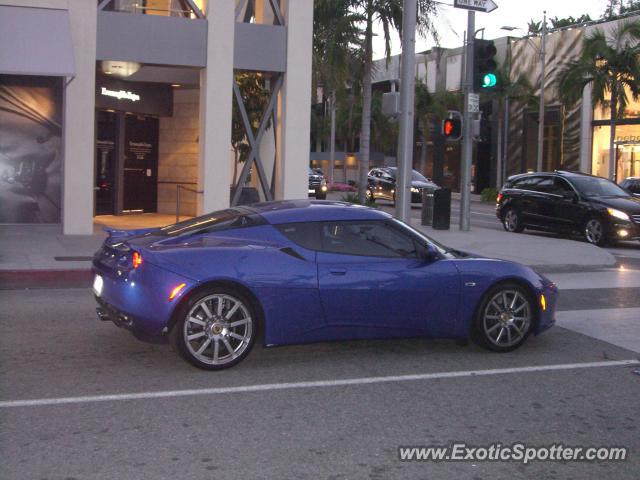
[594,232]
[369,196]
[216,329]
[512,221]
[490,326]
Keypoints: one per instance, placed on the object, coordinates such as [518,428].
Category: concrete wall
[178,153]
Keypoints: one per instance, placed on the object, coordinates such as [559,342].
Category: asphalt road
[53,347]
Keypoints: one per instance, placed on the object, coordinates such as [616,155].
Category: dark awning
[35,41]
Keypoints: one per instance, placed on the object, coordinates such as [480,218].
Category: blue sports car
[308,271]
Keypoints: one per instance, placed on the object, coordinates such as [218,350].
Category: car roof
[557,173]
[294,211]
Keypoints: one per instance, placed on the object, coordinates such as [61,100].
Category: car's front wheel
[216,329]
[594,232]
[505,318]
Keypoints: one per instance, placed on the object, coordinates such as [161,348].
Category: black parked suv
[596,208]
[631,185]
[382,185]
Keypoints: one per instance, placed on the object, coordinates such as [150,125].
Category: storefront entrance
[126,163]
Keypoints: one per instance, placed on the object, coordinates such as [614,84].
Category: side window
[545,185]
[307,235]
[634,187]
[562,187]
[373,239]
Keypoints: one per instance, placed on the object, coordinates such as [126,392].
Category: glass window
[561,187]
[597,187]
[212,222]
[373,239]
[534,183]
[601,112]
[307,235]
[627,151]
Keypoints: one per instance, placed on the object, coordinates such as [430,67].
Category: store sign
[628,139]
[120,94]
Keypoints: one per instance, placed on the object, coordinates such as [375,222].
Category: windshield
[447,252]
[597,187]
[415,176]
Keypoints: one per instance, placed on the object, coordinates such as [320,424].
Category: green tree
[336,41]
[388,13]
[255,98]
[612,66]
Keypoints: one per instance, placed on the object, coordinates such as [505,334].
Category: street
[169,420]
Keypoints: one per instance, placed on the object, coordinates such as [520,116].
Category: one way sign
[485,6]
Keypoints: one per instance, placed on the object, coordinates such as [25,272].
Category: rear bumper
[138,300]
[108,313]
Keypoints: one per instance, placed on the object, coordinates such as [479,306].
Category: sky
[452,22]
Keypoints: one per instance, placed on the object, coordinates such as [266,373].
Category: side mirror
[429,253]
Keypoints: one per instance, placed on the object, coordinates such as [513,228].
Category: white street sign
[474,103]
[485,6]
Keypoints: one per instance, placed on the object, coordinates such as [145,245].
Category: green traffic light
[489,80]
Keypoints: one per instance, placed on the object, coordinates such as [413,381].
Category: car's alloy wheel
[594,231]
[217,331]
[505,319]
[512,222]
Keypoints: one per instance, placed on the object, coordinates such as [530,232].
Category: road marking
[314,384]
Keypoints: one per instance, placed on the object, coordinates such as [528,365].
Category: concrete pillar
[586,130]
[294,120]
[79,122]
[216,90]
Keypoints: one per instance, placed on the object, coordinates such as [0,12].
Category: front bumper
[621,231]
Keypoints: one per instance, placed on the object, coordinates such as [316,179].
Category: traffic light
[452,126]
[484,65]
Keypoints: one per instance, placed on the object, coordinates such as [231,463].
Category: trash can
[427,207]
[442,209]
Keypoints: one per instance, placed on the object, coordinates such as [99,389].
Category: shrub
[489,195]
[353,198]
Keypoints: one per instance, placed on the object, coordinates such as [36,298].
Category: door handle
[338,271]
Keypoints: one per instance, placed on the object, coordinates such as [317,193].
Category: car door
[371,277]
[569,210]
[532,200]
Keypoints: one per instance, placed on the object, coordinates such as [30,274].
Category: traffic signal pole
[467,140]
[407,95]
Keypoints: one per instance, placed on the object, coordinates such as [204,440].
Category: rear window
[212,222]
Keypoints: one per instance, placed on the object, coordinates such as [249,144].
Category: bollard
[427,207]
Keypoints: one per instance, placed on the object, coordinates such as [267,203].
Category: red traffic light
[452,126]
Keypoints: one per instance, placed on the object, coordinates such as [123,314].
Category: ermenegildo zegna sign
[135,97]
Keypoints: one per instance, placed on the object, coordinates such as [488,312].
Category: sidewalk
[530,248]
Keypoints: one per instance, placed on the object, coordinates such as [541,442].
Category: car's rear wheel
[505,318]
[216,329]
[512,221]
[594,232]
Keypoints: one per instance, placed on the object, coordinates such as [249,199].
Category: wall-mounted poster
[30,149]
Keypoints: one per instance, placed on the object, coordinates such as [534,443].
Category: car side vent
[293,253]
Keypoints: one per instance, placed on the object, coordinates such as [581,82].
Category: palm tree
[337,36]
[612,66]
[388,13]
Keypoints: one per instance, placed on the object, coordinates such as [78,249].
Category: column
[586,130]
[79,122]
[294,121]
[216,90]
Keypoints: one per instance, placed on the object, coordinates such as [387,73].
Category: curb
[25,279]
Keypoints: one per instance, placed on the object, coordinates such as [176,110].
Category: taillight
[499,199]
[137,259]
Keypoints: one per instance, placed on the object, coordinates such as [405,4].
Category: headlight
[414,190]
[618,214]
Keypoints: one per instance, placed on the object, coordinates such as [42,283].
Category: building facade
[110,107]
[575,138]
